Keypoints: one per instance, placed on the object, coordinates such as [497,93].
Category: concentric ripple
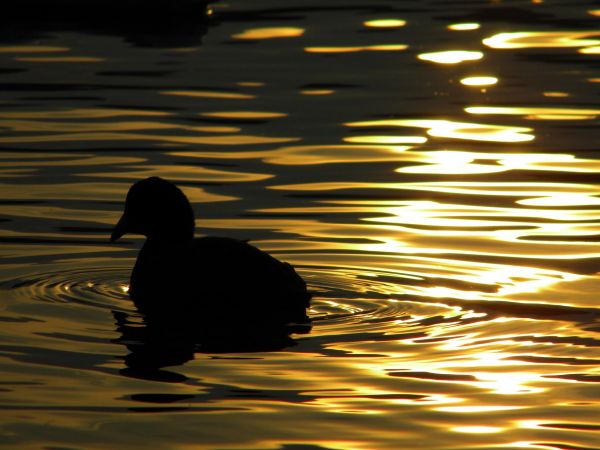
[345,301]
[101,287]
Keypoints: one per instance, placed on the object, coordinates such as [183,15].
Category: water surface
[430,167]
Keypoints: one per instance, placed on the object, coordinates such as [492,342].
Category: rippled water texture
[430,167]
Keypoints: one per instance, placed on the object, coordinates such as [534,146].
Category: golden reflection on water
[556,94]
[590,50]
[32,49]
[537,113]
[467,26]
[385,23]
[244,114]
[386,139]
[211,94]
[302,155]
[541,39]
[456,130]
[269,33]
[451,56]
[317,91]
[456,281]
[81,113]
[354,49]
[211,140]
[479,81]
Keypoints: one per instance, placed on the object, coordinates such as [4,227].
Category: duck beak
[120,229]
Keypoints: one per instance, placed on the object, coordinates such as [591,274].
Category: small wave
[101,287]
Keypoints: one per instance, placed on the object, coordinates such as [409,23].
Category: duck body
[205,280]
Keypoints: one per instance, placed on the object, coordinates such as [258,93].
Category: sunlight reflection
[354,49]
[540,39]
[451,56]
[81,113]
[542,113]
[317,91]
[457,130]
[464,26]
[244,114]
[476,408]
[32,49]
[590,50]
[211,94]
[385,23]
[386,139]
[556,94]
[479,81]
[560,199]
[269,33]
[477,429]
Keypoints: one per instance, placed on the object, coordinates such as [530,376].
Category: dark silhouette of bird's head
[157,209]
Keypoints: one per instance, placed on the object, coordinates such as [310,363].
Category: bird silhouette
[204,281]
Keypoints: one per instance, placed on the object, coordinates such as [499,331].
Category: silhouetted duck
[206,280]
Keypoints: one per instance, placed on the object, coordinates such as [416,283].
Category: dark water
[447,223]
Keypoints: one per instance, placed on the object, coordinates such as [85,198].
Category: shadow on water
[159,23]
[161,342]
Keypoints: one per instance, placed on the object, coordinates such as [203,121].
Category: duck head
[157,209]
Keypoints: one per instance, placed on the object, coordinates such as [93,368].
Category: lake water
[430,167]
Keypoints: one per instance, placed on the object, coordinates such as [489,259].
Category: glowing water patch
[210,94]
[269,33]
[244,114]
[464,26]
[354,49]
[590,50]
[32,49]
[478,429]
[537,112]
[385,23]
[457,130]
[451,56]
[479,81]
[386,139]
[541,39]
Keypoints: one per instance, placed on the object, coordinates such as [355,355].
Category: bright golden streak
[479,81]
[32,49]
[476,409]
[458,130]
[542,39]
[590,50]
[594,12]
[244,114]
[477,429]
[385,23]
[556,94]
[386,139]
[354,49]
[210,94]
[317,92]
[59,59]
[562,200]
[250,83]
[451,56]
[537,112]
[269,33]
[464,26]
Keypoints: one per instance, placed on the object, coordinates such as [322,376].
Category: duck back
[217,278]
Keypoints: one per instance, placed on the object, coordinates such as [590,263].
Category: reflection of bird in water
[204,283]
